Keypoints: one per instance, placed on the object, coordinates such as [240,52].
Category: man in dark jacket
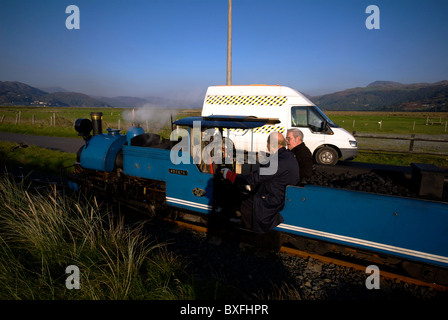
[261,211]
[294,140]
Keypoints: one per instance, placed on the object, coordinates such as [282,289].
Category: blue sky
[177,48]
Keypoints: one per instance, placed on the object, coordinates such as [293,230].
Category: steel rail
[327,260]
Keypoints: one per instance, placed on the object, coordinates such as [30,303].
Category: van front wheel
[327,155]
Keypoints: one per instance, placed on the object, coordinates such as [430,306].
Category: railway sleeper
[427,273]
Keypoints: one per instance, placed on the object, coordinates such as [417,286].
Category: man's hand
[229,175]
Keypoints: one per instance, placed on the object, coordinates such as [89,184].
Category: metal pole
[229,45]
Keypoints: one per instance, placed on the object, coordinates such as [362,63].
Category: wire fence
[403,143]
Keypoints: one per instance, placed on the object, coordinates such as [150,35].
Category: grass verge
[35,158]
[42,233]
[400,159]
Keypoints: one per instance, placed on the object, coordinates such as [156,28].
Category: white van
[327,141]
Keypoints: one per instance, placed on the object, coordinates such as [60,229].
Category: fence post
[411,143]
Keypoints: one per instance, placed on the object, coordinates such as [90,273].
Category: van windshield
[324,116]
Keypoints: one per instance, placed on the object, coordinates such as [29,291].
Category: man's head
[294,137]
[275,142]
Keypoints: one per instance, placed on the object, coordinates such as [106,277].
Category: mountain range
[388,96]
[18,93]
[377,96]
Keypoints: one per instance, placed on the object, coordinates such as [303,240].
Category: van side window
[306,117]
[314,120]
[299,117]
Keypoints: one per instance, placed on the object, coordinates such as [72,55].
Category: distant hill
[17,93]
[377,96]
[72,99]
[53,89]
[385,84]
[123,101]
[388,96]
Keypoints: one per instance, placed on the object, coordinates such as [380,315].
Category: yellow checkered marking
[263,129]
[247,100]
[269,129]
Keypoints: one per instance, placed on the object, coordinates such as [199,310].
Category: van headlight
[353,143]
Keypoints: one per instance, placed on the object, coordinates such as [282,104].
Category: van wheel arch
[327,155]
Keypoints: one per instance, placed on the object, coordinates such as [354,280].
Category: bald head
[275,142]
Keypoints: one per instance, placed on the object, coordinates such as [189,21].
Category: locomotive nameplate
[178,171]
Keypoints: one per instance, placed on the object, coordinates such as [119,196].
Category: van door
[313,126]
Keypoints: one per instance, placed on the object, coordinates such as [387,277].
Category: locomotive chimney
[97,118]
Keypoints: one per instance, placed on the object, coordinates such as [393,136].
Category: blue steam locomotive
[166,175]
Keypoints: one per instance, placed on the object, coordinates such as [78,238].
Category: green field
[20,120]
[43,119]
[35,158]
[427,123]
[362,122]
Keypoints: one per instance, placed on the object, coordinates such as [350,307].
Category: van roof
[268,90]
[257,90]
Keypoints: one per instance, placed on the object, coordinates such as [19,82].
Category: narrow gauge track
[347,263]
[305,248]
[221,227]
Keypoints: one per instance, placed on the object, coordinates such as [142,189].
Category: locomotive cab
[210,150]
[209,141]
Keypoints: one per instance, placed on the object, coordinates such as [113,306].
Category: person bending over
[261,211]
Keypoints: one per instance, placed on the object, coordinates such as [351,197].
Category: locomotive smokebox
[83,127]
[97,121]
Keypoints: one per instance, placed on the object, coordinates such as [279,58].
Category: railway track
[347,263]
[302,252]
